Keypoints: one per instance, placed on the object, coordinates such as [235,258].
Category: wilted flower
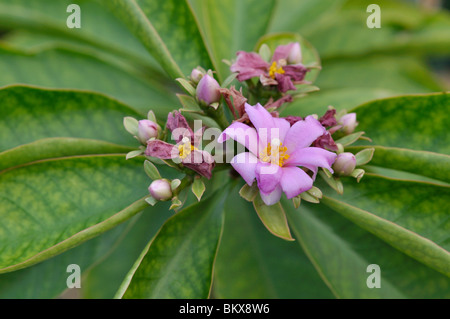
[208,90]
[275,150]
[345,164]
[160,189]
[146,130]
[186,150]
[284,70]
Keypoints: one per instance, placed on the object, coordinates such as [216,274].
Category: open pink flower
[186,150]
[284,70]
[275,151]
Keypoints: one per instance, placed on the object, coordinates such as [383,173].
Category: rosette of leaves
[69,196]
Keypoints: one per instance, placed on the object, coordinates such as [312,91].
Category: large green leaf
[344,33]
[253,263]
[223,22]
[418,122]
[293,15]
[50,206]
[168,30]
[178,262]
[67,69]
[341,252]
[44,23]
[410,216]
[48,278]
[29,114]
[105,277]
[428,164]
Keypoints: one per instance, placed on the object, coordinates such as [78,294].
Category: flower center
[185,148]
[274,69]
[274,153]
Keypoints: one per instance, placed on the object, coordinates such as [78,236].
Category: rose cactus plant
[223,149]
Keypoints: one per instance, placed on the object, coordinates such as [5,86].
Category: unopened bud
[344,164]
[146,130]
[348,122]
[208,90]
[295,55]
[196,75]
[160,189]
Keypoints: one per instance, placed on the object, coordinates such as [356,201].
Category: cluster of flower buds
[283,155]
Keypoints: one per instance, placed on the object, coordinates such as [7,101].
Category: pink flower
[186,150]
[284,70]
[275,151]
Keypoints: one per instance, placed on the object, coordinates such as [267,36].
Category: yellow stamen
[275,153]
[185,149]
[274,68]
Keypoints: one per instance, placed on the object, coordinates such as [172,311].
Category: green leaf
[151,170]
[273,217]
[418,122]
[51,206]
[292,15]
[43,24]
[341,252]
[48,279]
[222,24]
[178,262]
[105,277]
[44,69]
[410,216]
[433,165]
[55,148]
[29,114]
[249,193]
[198,188]
[364,156]
[131,125]
[253,264]
[168,30]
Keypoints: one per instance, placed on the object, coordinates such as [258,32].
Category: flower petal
[272,197]
[243,134]
[179,126]
[295,181]
[312,157]
[249,65]
[282,52]
[284,83]
[245,165]
[268,176]
[201,162]
[161,149]
[303,133]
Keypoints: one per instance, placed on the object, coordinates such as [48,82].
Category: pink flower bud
[196,75]
[208,90]
[344,164]
[348,122]
[295,54]
[147,130]
[160,189]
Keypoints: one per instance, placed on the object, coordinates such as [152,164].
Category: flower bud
[295,55]
[344,164]
[196,75]
[147,130]
[348,122]
[160,189]
[208,90]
